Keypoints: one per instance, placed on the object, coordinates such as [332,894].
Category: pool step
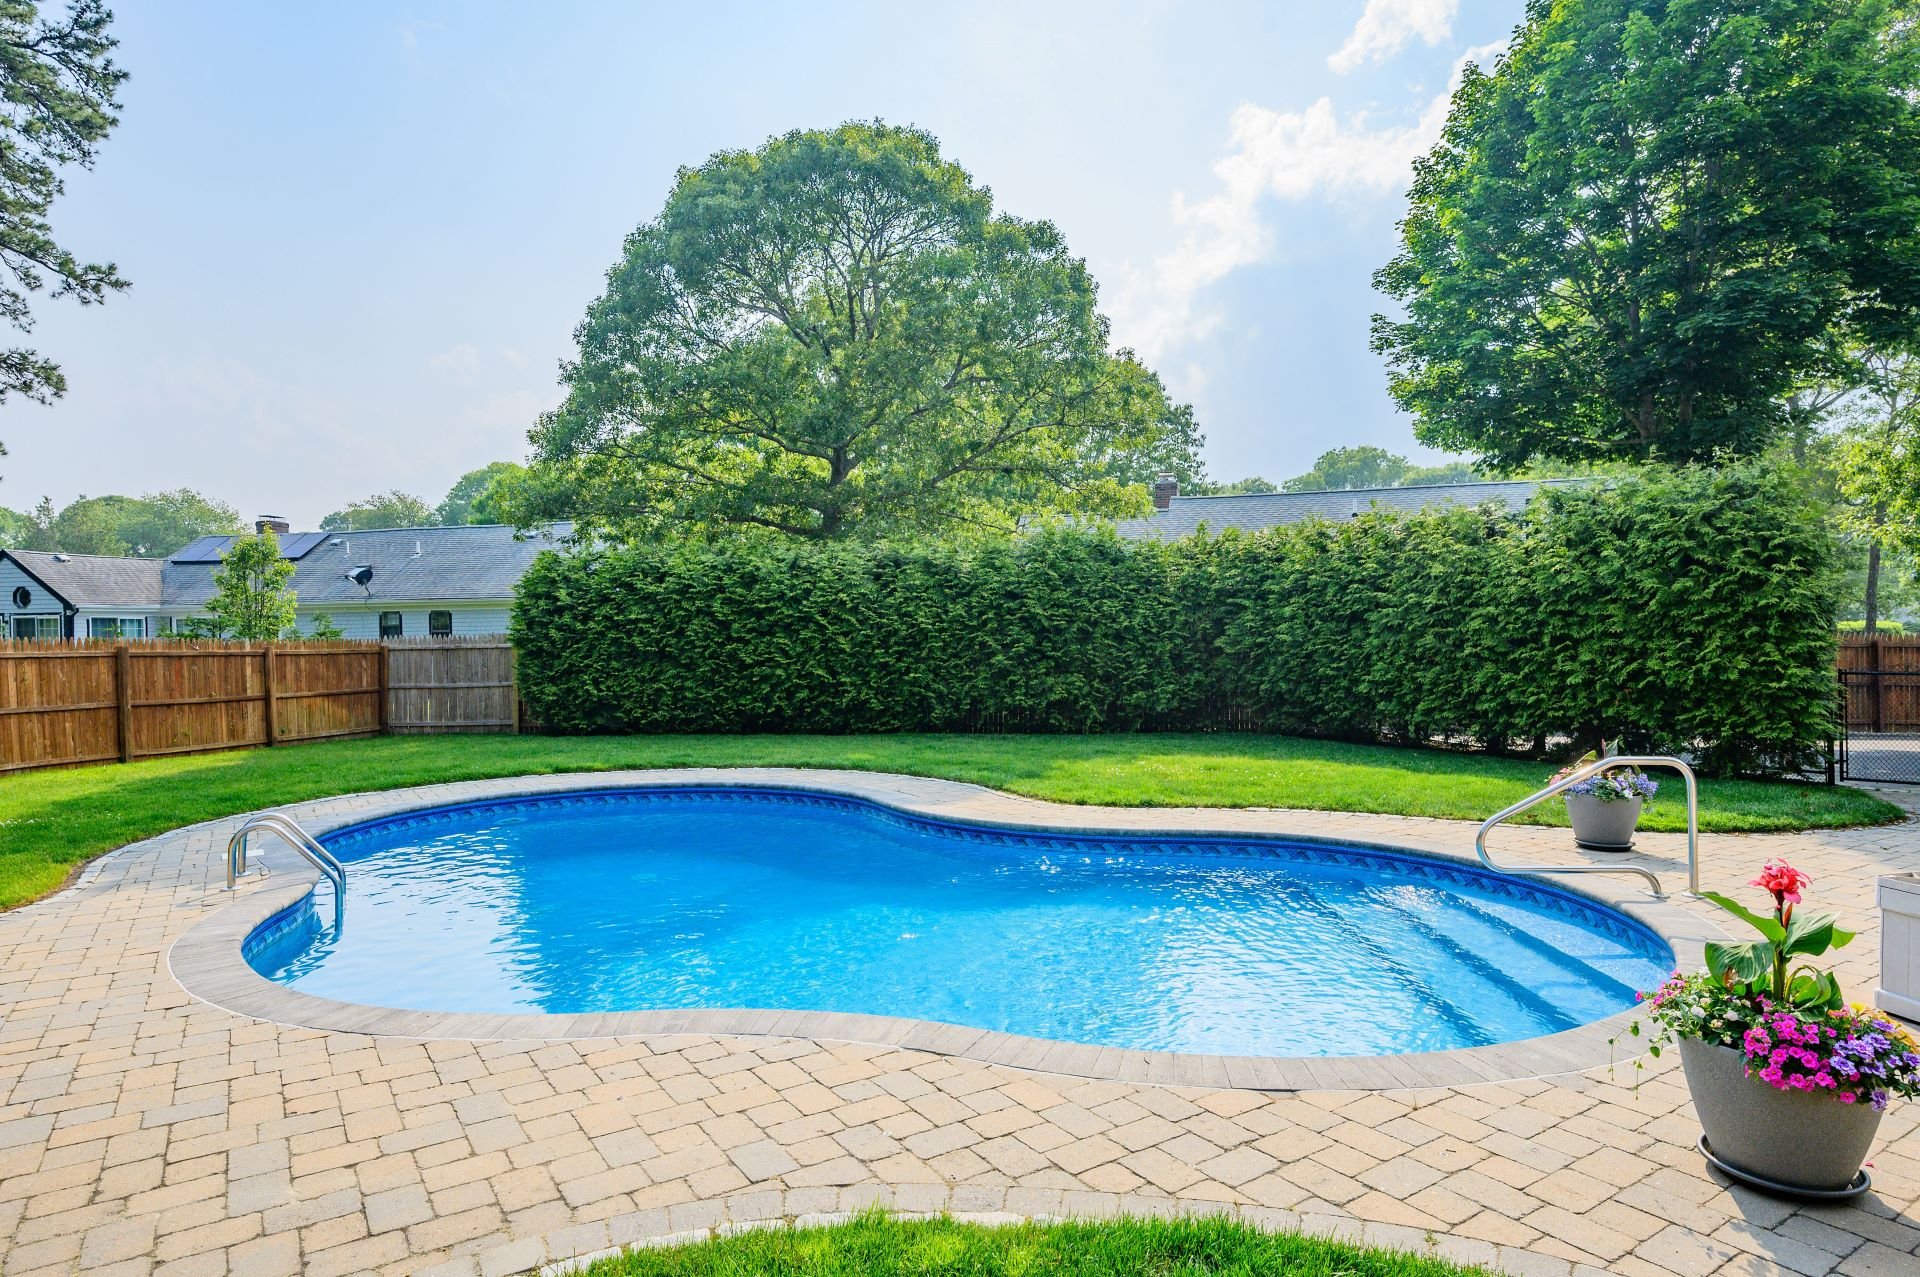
[1577,967]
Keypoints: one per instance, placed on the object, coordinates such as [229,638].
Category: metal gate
[1879,726]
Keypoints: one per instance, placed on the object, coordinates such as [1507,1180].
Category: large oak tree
[1653,221]
[837,335]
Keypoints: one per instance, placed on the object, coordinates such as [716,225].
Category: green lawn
[51,821]
[875,1246]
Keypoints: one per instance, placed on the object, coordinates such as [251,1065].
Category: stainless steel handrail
[1575,777]
[295,837]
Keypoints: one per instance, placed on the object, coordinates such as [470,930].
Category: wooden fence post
[123,698]
[1878,684]
[273,696]
[385,653]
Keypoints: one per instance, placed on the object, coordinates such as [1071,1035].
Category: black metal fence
[1880,726]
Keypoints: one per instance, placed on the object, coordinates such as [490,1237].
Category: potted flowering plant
[1788,1080]
[1604,808]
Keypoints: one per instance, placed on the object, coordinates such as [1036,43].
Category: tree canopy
[58,81]
[1877,454]
[477,495]
[150,526]
[1366,466]
[1653,221]
[395,509]
[837,335]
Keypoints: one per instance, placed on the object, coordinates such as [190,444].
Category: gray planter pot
[1804,1142]
[1603,826]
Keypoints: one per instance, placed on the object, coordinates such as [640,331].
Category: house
[1175,516]
[374,584]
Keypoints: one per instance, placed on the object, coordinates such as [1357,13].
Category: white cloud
[462,360]
[1284,155]
[1385,27]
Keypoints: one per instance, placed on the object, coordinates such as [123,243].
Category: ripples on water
[691,902]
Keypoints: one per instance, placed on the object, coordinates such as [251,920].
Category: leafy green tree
[395,509]
[1450,472]
[1877,466]
[159,523]
[1652,222]
[252,599]
[1341,468]
[322,627]
[149,526]
[58,79]
[837,335]
[1236,488]
[91,525]
[472,498]
[16,529]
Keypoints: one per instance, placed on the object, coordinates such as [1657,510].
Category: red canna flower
[1785,882]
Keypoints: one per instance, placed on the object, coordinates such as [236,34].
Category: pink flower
[1785,882]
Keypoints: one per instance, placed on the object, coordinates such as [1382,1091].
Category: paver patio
[142,1130]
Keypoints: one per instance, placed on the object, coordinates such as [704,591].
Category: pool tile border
[207,960]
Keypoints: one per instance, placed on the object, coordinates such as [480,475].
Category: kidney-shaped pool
[677,898]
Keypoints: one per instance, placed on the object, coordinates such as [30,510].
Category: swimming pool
[740,897]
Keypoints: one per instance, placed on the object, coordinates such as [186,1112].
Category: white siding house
[385,583]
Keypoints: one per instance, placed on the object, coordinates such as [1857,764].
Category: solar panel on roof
[297,545]
[294,546]
[202,550]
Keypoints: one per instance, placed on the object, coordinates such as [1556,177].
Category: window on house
[391,625]
[440,623]
[36,627]
[162,625]
[107,627]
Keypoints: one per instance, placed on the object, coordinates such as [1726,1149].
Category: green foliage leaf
[1812,934]
[1766,926]
[1682,612]
[1746,961]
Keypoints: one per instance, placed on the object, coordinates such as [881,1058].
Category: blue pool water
[648,899]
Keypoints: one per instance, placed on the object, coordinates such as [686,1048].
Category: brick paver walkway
[142,1131]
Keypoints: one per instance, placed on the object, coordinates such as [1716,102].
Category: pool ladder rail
[1575,777]
[278,822]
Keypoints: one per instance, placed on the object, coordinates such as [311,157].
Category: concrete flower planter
[1899,990]
[1603,826]
[1789,1141]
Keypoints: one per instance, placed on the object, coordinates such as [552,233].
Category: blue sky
[360,234]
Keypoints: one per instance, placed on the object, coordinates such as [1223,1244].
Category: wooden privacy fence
[460,684]
[1882,681]
[63,704]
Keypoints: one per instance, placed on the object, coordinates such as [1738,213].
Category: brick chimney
[1165,489]
[271,523]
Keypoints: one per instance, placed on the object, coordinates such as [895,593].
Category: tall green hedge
[1685,610]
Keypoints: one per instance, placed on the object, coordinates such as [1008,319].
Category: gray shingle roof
[1255,511]
[96,580]
[483,561]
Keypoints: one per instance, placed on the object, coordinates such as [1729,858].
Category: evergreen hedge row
[1688,610]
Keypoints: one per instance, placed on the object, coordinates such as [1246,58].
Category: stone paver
[145,1131]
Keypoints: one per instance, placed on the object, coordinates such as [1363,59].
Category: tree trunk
[1872,624]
